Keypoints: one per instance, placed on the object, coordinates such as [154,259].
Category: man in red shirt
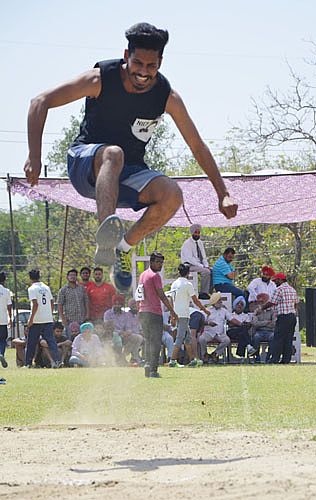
[150,312]
[100,295]
[85,273]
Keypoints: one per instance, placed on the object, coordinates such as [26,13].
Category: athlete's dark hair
[156,255]
[229,250]
[85,269]
[184,270]
[3,277]
[34,274]
[146,36]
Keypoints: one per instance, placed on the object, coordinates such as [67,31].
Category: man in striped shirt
[285,301]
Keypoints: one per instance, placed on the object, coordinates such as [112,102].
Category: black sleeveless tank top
[121,118]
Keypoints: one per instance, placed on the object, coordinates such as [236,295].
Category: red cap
[279,276]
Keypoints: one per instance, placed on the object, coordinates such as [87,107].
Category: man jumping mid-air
[125,100]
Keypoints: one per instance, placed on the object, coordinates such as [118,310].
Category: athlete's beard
[195,237]
[138,86]
[264,279]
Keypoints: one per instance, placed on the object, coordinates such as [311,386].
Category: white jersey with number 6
[43,295]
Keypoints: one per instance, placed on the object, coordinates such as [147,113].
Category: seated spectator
[214,329]
[196,325]
[261,285]
[193,254]
[224,274]
[74,330]
[86,348]
[168,334]
[20,347]
[63,345]
[134,325]
[240,332]
[123,337]
[100,295]
[263,326]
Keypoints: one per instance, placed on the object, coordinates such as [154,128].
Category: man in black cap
[125,100]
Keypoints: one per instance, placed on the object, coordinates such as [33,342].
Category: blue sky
[220,55]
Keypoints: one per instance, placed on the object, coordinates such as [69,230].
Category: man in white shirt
[5,313]
[40,322]
[261,285]
[182,292]
[215,328]
[193,253]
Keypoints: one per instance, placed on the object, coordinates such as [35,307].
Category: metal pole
[63,247]
[13,257]
[47,233]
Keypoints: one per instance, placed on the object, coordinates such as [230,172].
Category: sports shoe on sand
[108,236]
[121,275]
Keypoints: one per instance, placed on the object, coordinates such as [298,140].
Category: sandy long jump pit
[98,461]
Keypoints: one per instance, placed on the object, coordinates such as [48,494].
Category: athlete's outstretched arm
[87,84]
[177,110]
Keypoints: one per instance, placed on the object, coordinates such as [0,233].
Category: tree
[289,116]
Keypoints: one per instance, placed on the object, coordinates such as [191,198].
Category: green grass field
[244,397]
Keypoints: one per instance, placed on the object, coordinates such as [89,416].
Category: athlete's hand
[32,169]
[228,207]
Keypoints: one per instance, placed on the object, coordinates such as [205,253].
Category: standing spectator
[72,301]
[224,274]
[5,313]
[100,296]
[193,253]
[261,285]
[285,300]
[124,338]
[87,349]
[183,292]
[150,312]
[85,273]
[40,322]
[263,326]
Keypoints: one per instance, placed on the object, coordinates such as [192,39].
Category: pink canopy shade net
[269,199]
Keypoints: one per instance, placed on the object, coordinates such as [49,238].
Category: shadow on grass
[155,463]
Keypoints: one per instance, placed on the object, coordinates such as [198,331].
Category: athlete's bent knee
[115,154]
[174,196]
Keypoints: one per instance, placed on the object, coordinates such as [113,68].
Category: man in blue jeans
[224,274]
[40,322]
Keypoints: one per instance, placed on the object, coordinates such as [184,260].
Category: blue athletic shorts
[133,179]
